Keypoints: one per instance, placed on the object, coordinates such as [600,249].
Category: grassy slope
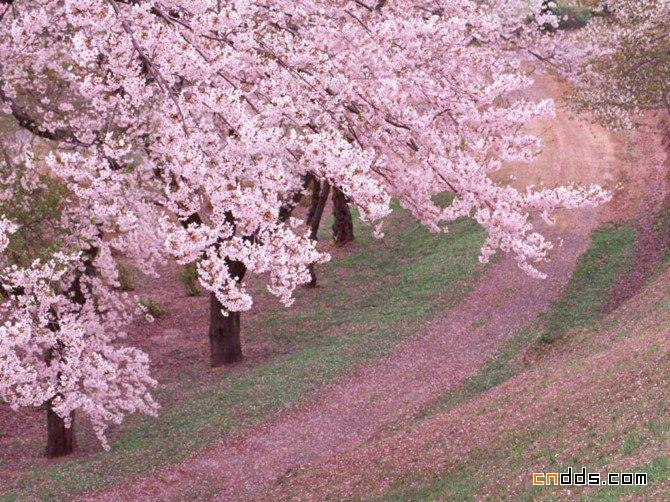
[609,255]
[371,298]
[574,343]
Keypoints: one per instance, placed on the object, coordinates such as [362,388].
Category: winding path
[383,393]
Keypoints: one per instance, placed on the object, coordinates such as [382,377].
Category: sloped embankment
[595,396]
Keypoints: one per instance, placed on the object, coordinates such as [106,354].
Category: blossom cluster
[183,128]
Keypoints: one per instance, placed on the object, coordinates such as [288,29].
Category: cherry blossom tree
[63,318]
[624,62]
[437,93]
[192,128]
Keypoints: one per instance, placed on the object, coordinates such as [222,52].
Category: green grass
[126,280]
[495,371]
[632,442]
[658,471]
[574,14]
[188,275]
[608,257]
[153,308]
[370,299]
[468,479]
[458,483]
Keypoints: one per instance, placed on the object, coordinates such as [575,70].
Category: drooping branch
[27,122]
[287,208]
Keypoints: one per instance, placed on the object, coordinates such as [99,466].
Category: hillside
[597,397]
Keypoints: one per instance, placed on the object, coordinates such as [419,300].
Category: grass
[658,471]
[188,275]
[153,308]
[609,256]
[458,483]
[500,368]
[631,443]
[575,14]
[126,281]
[489,469]
[370,300]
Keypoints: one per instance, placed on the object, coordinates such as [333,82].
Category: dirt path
[377,396]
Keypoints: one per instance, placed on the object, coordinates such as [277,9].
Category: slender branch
[149,63]
[365,6]
[25,121]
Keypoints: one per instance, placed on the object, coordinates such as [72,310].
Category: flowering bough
[190,128]
[433,93]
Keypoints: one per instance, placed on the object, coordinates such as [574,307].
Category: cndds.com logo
[583,477]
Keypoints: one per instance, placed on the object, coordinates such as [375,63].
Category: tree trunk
[224,334]
[225,345]
[343,225]
[314,223]
[60,439]
[318,211]
[314,201]
[224,330]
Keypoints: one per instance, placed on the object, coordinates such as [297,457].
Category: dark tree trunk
[224,330]
[343,225]
[318,212]
[60,439]
[225,345]
[314,225]
[314,202]
[224,334]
